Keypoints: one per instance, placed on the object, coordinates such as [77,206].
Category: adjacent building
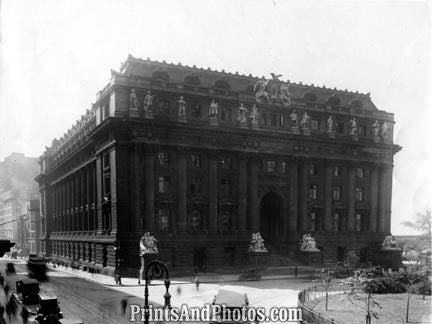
[18,192]
[202,159]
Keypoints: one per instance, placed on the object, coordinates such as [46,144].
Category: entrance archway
[270,209]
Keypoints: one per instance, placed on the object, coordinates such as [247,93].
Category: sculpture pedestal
[295,130]
[148,114]
[243,125]
[142,269]
[133,113]
[255,256]
[213,121]
[306,132]
[331,134]
[181,118]
[312,258]
[255,125]
[389,259]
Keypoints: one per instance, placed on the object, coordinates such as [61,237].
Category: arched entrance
[270,209]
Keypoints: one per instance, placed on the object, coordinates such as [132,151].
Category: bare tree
[422,223]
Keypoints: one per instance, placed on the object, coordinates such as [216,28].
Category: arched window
[333,101]
[160,75]
[192,80]
[310,97]
[221,84]
[356,104]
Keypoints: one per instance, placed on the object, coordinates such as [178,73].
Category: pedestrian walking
[197,282]
[179,291]
[123,304]
[1,280]
[11,308]
[2,310]
[25,315]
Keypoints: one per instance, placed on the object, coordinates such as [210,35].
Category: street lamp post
[156,270]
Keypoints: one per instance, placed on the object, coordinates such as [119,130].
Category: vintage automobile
[27,290]
[48,311]
[37,268]
[250,275]
[229,300]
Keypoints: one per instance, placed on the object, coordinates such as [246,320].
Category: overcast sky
[55,55]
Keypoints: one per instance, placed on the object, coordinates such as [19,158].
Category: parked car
[231,299]
[48,311]
[250,275]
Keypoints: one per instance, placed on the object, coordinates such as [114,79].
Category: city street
[95,298]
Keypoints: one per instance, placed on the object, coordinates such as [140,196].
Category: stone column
[99,192]
[373,198]
[95,196]
[328,198]
[293,196]
[389,182]
[304,194]
[253,195]
[88,201]
[213,197]
[385,183]
[149,220]
[242,203]
[138,195]
[181,221]
[351,198]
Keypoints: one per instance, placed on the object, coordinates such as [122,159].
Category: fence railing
[309,297]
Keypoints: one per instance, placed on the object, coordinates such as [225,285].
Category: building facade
[202,159]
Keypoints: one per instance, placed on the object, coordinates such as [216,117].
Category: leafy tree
[422,222]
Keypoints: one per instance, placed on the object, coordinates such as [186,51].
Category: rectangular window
[272,119]
[281,120]
[362,130]
[164,107]
[164,184]
[163,219]
[313,222]
[107,185]
[271,166]
[313,191]
[340,127]
[359,194]
[314,124]
[360,173]
[226,114]
[106,111]
[163,158]
[264,118]
[337,171]
[106,161]
[284,167]
[313,169]
[358,226]
[196,111]
[195,186]
[337,193]
[225,188]
[225,163]
[225,221]
[336,224]
[196,161]
[195,220]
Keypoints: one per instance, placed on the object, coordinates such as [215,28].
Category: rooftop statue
[257,243]
[148,102]
[384,129]
[241,111]
[148,244]
[294,119]
[285,95]
[133,100]
[181,107]
[390,243]
[375,129]
[213,111]
[305,121]
[307,243]
[330,124]
[353,127]
[260,91]
[254,115]
[274,86]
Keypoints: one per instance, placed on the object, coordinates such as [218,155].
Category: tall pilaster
[385,183]
[389,185]
[149,220]
[181,222]
[138,195]
[213,181]
[293,196]
[328,198]
[253,195]
[242,203]
[351,198]
[304,194]
[373,222]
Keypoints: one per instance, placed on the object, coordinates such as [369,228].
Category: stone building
[17,189]
[201,159]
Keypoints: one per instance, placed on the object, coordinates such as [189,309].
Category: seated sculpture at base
[307,243]
[390,243]
[257,243]
[148,244]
